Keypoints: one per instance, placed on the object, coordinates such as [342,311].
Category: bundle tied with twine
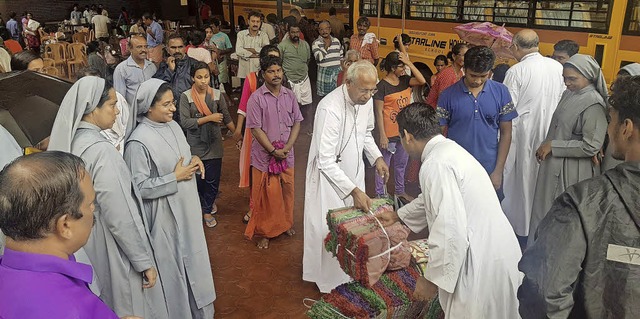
[364,248]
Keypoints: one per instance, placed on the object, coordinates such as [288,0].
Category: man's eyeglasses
[366,91]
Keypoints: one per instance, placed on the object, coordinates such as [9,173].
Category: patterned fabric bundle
[277,166]
[364,249]
[390,297]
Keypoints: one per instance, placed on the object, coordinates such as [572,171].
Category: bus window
[433,9]
[632,19]
[586,14]
[369,8]
[511,12]
[393,8]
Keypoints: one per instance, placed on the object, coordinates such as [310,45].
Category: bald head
[526,39]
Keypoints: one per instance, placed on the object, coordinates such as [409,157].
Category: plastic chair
[56,52]
[48,63]
[50,71]
[80,37]
[43,35]
[77,56]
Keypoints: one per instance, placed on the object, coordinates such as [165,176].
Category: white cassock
[9,150]
[473,252]
[341,129]
[535,85]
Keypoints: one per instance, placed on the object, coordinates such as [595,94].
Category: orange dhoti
[272,197]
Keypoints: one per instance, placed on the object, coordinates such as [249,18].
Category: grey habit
[9,150]
[609,162]
[577,132]
[173,210]
[118,247]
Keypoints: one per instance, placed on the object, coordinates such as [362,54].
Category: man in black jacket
[176,69]
[585,261]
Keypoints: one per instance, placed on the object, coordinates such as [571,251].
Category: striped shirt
[327,57]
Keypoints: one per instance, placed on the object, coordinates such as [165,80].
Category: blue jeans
[209,186]
[400,159]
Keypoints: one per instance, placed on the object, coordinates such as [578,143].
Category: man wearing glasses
[130,73]
[335,169]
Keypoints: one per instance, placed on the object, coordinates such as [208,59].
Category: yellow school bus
[606,29]
[317,10]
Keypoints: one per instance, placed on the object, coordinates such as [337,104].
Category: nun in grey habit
[576,133]
[119,247]
[609,162]
[163,168]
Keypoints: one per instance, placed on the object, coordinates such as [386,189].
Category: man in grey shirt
[295,62]
[130,73]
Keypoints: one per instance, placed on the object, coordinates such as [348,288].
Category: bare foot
[290,232]
[263,243]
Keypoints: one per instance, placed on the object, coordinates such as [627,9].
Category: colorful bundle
[390,297]
[364,249]
[277,166]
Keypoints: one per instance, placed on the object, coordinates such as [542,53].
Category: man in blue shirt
[477,113]
[155,36]
[130,73]
[12,26]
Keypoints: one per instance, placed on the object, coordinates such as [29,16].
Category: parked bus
[606,29]
[316,10]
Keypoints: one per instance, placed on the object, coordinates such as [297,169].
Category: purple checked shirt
[275,116]
[34,286]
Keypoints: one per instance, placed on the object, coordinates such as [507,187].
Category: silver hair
[350,53]
[359,69]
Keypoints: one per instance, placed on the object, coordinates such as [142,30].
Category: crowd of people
[519,172]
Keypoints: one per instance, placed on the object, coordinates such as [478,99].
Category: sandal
[212,222]
[245,218]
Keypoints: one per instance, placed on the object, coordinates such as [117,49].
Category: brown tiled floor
[253,283]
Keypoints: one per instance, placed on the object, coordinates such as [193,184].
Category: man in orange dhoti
[274,119]
[253,81]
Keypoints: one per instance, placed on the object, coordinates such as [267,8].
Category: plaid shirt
[368,52]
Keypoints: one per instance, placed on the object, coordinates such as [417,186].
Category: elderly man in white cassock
[335,169]
[473,252]
[536,85]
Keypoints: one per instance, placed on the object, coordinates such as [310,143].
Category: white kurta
[535,85]
[341,128]
[473,252]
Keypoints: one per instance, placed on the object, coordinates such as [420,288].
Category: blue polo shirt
[474,123]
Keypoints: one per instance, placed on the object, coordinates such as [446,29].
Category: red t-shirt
[445,78]
[205,12]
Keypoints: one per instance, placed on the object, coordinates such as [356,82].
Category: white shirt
[340,129]
[101,24]
[473,252]
[200,54]
[246,64]
[268,29]
[535,85]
